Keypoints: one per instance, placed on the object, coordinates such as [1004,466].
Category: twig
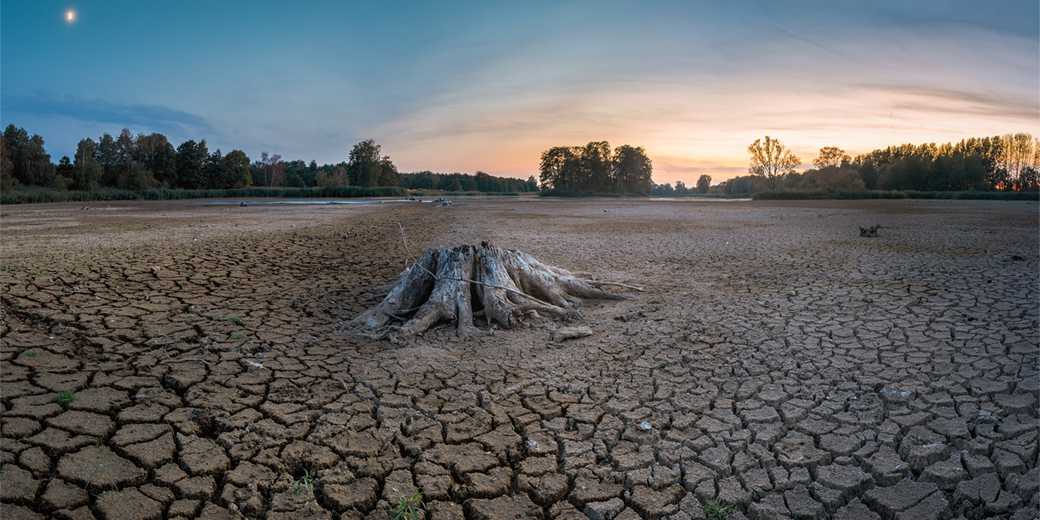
[616,284]
[404,239]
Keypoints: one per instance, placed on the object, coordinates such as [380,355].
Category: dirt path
[164,360]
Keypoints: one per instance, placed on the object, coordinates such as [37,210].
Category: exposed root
[501,285]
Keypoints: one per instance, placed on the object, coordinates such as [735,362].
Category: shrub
[29,196]
[849,195]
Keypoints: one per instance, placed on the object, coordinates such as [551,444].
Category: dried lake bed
[186,359]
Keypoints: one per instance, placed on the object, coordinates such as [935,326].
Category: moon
[70,16]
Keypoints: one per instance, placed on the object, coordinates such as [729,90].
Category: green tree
[213,166]
[191,159]
[108,158]
[531,184]
[7,179]
[364,164]
[87,168]
[632,170]
[234,170]
[595,173]
[558,169]
[703,183]
[388,175]
[158,156]
[29,161]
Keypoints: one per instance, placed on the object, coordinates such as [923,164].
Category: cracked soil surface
[182,360]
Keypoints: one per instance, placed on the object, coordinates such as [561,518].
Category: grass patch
[234,319]
[236,335]
[305,482]
[29,354]
[896,194]
[717,511]
[65,398]
[408,508]
[37,195]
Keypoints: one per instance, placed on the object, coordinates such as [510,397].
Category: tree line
[482,182]
[147,161]
[595,168]
[999,163]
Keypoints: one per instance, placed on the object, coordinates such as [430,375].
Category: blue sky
[456,86]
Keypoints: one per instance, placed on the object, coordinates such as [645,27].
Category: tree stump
[503,285]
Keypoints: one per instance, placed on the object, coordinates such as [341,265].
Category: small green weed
[65,398]
[408,508]
[717,511]
[236,335]
[29,354]
[234,319]
[306,482]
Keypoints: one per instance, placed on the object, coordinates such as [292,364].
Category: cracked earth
[180,360]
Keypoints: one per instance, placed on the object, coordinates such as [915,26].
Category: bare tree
[831,156]
[770,159]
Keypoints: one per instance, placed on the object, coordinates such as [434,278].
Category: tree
[29,161]
[191,159]
[124,156]
[65,172]
[703,183]
[1017,153]
[158,156]
[333,177]
[388,175]
[632,170]
[596,170]
[87,168]
[770,159]
[213,170]
[831,156]
[368,167]
[531,184]
[108,158]
[234,170]
[558,169]
[7,180]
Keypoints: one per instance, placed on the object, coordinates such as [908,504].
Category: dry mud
[169,360]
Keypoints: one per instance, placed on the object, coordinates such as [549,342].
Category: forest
[150,161]
[1000,163]
[596,169]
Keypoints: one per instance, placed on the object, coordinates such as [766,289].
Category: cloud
[155,117]
[954,101]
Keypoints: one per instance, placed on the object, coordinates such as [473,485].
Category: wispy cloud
[954,101]
[155,117]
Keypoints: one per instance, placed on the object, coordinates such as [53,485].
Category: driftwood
[503,285]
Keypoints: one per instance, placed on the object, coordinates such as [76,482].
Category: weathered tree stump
[502,285]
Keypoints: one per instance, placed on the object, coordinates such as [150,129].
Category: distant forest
[595,168]
[149,161]
[1000,163]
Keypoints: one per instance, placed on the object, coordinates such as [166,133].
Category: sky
[467,86]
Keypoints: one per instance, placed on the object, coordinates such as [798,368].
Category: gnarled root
[452,284]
